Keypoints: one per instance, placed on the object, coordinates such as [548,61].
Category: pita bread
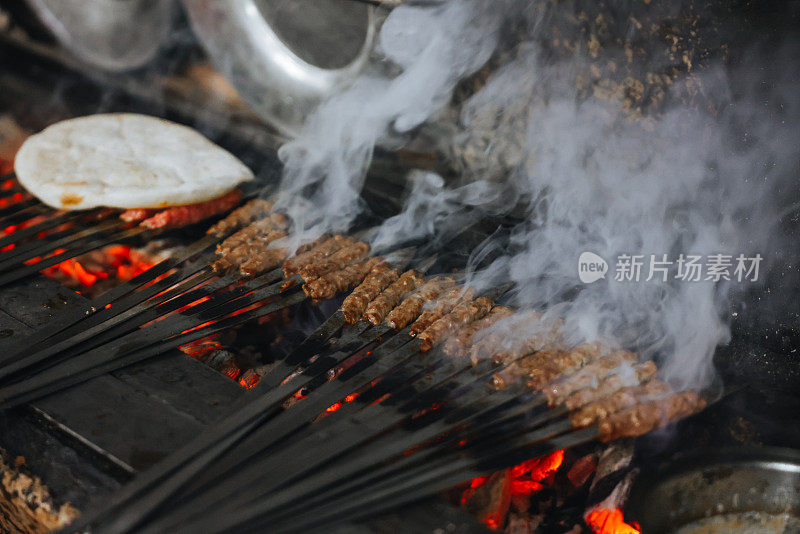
[125,160]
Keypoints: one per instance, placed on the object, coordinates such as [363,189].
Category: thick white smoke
[681,181]
[432,48]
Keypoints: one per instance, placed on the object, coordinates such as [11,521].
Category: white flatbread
[123,160]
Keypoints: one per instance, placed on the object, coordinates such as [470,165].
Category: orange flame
[200,346]
[603,521]
[526,478]
[118,261]
[249,380]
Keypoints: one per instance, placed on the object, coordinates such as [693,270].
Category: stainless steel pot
[728,490]
[285,56]
[113,35]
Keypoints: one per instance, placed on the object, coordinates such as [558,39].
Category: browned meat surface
[558,391]
[619,400]
[440,308]
[255,249]
[329,285]
[376,281]
[512,373]
[250,232]
[266,260]
[319,250]
[241,216]
[540,368]
[192,213]
[642,373]
[458,344]
[389,298]
[137,214]
[521,336]
[412,305]
[462,314]
[646,416]
[335,262]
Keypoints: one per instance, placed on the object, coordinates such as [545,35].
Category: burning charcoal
[522,524]
[250,378]
[582,470]
[216,359]
[491,500]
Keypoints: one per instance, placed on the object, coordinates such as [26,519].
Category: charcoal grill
[125,421]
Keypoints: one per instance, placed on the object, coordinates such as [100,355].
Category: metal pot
[729,490]
[285,56]
[113,35]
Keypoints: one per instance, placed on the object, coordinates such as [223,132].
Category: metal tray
[744,489]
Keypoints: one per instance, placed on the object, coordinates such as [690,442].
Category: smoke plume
[430,50]
[596,173]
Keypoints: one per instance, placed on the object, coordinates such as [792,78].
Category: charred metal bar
[323,445]
[13,209]
[75,250]
[161,268]
[143,495]
[98,332]
[42,246]
[362,373]
[184,466]
[109,302]
[197,311]
[121,353]
[24,215]
[63,239]
[34,229]
[428,477]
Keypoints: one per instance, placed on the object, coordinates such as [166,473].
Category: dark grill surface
[129,419]
[86,441]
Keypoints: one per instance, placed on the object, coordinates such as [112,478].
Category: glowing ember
[521,481]
[249,379]
[114,264]
[195,349]
[526,477]
[13,199]
[604,521]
